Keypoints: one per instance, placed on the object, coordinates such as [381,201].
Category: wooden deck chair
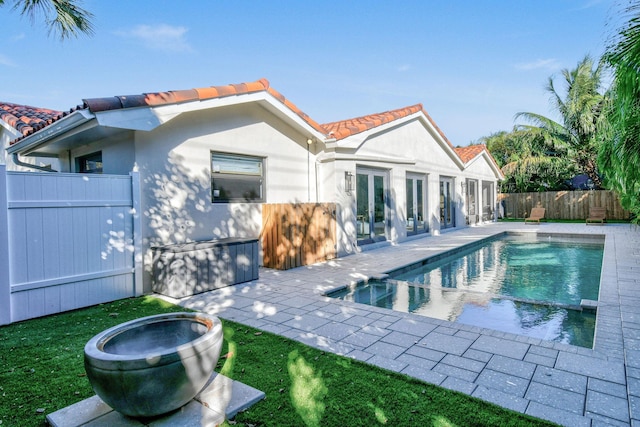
[536,215]
[597,216]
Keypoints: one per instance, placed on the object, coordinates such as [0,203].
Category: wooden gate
[298,234]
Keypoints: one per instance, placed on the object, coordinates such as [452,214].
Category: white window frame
[237,168]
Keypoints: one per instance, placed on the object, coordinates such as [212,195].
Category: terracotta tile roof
[200,94]
[31,119]
[345,128]
[468,153]
[26,119]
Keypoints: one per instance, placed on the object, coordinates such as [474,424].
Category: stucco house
[209,158]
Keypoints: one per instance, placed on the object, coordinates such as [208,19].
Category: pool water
[523,284]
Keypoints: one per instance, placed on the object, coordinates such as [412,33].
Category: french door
[472,201]
[371,202]
[487,200]
[447,209]
[416,206]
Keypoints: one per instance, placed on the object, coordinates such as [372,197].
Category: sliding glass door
[371,194]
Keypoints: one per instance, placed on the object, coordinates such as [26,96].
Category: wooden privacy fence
[562,204]
[298,234]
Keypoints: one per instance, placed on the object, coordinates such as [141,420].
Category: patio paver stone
[527,374]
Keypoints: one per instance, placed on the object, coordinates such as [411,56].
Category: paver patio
[570,385]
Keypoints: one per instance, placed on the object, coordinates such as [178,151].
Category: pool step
[589,304]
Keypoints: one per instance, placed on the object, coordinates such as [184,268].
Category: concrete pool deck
[572,386]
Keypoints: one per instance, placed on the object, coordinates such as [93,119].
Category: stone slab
[221,398]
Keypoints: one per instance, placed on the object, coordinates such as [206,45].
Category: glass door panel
[415,205]
[487,200]
[378,206]
[472,197]
[421,224]
[362,200]
[411,226]
[447,219]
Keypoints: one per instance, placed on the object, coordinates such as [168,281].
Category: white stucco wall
[174,161]
[118,154]
[410,147]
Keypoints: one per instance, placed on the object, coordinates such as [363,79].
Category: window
[236,178]
[91,163]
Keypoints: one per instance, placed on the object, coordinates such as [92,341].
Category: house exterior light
[348,182]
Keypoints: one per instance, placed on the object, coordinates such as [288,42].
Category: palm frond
[63,17]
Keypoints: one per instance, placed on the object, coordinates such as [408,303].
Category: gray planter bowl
[155,364]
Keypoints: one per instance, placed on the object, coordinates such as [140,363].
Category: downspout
[316,172]
[19,162]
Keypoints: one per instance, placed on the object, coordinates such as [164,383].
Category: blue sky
[473,64]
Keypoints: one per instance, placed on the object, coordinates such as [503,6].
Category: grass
[41,371]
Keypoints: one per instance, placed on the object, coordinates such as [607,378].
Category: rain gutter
[19,162]
[32,142]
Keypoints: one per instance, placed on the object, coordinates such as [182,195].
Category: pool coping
[559,382]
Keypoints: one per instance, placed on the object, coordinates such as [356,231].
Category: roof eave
[150,117]
[37,139]
[294,118]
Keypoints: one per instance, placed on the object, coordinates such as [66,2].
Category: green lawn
[41,371]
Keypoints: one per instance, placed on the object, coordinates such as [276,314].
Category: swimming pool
[524,283]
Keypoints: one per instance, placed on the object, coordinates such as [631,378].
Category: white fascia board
[45,135]
[292,116]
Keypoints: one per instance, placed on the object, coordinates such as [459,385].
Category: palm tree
[620,155]
[64,17]
[581,111]
[527,162]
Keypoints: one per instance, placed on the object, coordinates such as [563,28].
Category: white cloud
[159,37]
[546,64]
[17,37]
[5,60]
[404,67]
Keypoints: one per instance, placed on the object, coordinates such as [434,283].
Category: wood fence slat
[563,204]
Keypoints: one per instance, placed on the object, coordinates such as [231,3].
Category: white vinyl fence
[67,241]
